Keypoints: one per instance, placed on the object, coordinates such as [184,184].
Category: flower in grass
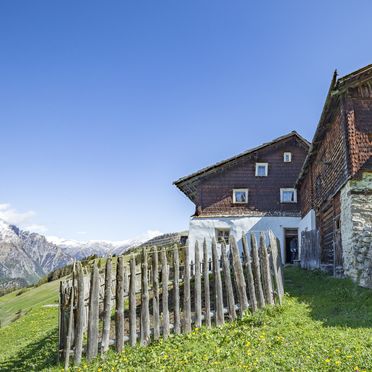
[247,344]
[348,356]
[337,351]
[327,360]
[337,362]
[356,368]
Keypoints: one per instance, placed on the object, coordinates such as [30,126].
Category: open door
[291,245]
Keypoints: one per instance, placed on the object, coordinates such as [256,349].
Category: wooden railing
[211,288]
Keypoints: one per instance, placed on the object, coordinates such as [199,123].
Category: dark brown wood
[119,310]
[92,347]
[207,303]
[186,294]
[219,318]
[164,282]
[266,272]
[107,306]
[155,296]
[257,272]
[228,283]
[145,312]
[197,280]
[176,290]
[80,315]
[249,275]
[132,303]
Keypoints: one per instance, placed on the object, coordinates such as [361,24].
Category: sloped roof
[185,183]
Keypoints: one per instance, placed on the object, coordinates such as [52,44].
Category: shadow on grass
[35,356]
[335,302]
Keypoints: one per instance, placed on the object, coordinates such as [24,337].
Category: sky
[103,104]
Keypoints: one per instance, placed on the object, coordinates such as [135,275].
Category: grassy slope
[325,324]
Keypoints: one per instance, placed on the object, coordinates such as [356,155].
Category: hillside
[324,325]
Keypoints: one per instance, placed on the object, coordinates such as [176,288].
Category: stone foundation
[356,229]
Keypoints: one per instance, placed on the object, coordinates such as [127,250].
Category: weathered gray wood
[207,300]
[107,306]
[249,275]
[257,273]
[145,312]
[126,281]
[70,321]
[228,283]
[164,282]
[198,305]
[119,313]
[155,295]
[239,276]
[276,266]
[61,316]
[217,285]
[80,315]
[186,294]
[266,274]
[92,347]
[132,303]
[176,291]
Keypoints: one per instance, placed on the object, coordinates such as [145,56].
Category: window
[287,157]
[240,196]
[261,169]
[223,235]
[288,195]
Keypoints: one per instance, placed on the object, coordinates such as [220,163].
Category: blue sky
[104,104]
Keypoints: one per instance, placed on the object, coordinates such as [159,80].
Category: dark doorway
[291,245]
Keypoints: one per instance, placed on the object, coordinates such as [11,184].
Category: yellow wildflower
[327,360]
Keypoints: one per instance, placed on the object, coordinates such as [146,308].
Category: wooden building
[335,184]
[252,191]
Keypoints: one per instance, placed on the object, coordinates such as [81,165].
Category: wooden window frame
[266,165]
[289,155]
[283,190]
[240,190]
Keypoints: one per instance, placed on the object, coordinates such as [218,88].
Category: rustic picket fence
[212,288]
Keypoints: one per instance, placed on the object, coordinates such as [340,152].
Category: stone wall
[356,229]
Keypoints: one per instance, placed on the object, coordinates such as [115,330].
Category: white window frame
[240,190]
[266,165]
[282,191]
[289,154]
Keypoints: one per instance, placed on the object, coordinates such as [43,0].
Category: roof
[337,88]
[210,169]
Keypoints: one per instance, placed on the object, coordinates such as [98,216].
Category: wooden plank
[93,318]
[80,316]
[176,290]
[198,305]
[266,273]
[132,303]
[145,312]
[277,264]
[164,282]
[217,286]
[257,272]
[239,276]
[207,300]
[247,266]
[186,294]
[70,321]
[107,306]
[228,283]
[155,296]
[119,310]
[274,263]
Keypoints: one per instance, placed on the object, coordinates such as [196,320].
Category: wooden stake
[266,274]
[145,313]
[277,266]
[155,297]
[80,315]
[107,307]
[164,282]
[70,321]
[228,283]
[132,303]
[198,305]
[186,295]
[207,301]
[92,347]
[217,286]
[119,314]
[176,291]
[249,274]
[257,272]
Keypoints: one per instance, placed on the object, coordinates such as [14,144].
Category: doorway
[291,245]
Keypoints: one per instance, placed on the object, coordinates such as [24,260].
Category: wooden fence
[310,249]
[146,304]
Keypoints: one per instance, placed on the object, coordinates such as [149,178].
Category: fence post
[228,283]
[176,290]
[249,274]
[217,285]
[186,293]
[119,314]
[277,266]
[207,301]
[198,306]
[132,303]
[145,314]
[266,274]
[70,321]
[164,282]
[239,276]
[92,347]
[257,272]
[107,307]
[155,296]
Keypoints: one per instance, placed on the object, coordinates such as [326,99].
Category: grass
[324,325]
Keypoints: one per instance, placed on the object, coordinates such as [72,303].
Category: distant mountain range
[27,256]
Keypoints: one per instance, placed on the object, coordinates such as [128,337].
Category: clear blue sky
[104,103]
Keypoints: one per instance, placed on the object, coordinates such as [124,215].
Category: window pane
[240,197]
[261,171]
[288,196]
